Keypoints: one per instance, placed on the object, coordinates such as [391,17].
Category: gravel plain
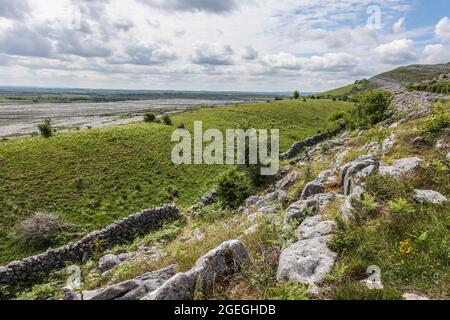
[22,119]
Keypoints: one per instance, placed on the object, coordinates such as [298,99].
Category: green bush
[46,129]
[167,120]
[439,119]
[296,95]
[233,188]
[149,117]
[371,108]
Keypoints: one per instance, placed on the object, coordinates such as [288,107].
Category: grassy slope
[343,90]
[416,73]
[92,178]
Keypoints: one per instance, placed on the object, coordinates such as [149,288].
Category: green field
[94,177]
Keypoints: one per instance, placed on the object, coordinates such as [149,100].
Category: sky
[218,45]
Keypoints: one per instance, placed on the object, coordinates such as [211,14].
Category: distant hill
[400,76]
[414,73]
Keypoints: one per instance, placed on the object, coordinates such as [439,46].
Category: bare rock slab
[307,261]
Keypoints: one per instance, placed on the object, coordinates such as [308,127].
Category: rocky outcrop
[400,167]
[300,146]
[223,261]
[120,232]
[350,171]
[131,289]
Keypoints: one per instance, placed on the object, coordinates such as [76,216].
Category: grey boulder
[306,262]
[108,262]
[400,167]
[429,196]
[314,227]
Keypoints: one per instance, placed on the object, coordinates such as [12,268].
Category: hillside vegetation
[415,73]
[94,177]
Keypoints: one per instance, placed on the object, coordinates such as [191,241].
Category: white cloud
[443,29]
[397,52]
[437,53]
[213,54]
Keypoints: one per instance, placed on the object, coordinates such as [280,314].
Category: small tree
[46,129]
[167,120]
[149,117]
[296,95]
[233,188]
[371,108]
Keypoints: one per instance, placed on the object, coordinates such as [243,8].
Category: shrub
[46,129]
[371,108]
[41,229]
[233,188]
[181,126]
[296,95]
[439,120]
[149,117]
[167,120]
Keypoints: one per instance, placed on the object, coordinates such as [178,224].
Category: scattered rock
[307,261]
[400,167]
[288,182]
[442,145]
[251,201]
[429,196]
[314,227]
[108,262]
[373,148]
[223,261]
[132,289]
[419,142]
[350,170]
[388,144]
[283,198]
[312,189]
[414,297]
[299,210]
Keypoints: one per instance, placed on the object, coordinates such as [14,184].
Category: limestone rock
[400,167]
[388,144]
[108,262]
[311,189]
[225,260]
[350,170]
[414,297]
[429,196]
[307,261]
[314,227]
[180,287]
[288,181]
[132,289]
[442,145]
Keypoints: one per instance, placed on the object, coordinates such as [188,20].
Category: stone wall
[119,232]
[301,145]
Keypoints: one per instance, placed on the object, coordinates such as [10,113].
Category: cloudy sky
[257,45]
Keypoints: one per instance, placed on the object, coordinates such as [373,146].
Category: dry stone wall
[119,232]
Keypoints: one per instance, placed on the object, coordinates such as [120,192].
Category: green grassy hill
[415,73]
[94,177]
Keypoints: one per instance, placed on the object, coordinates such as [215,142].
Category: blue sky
[263,45]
